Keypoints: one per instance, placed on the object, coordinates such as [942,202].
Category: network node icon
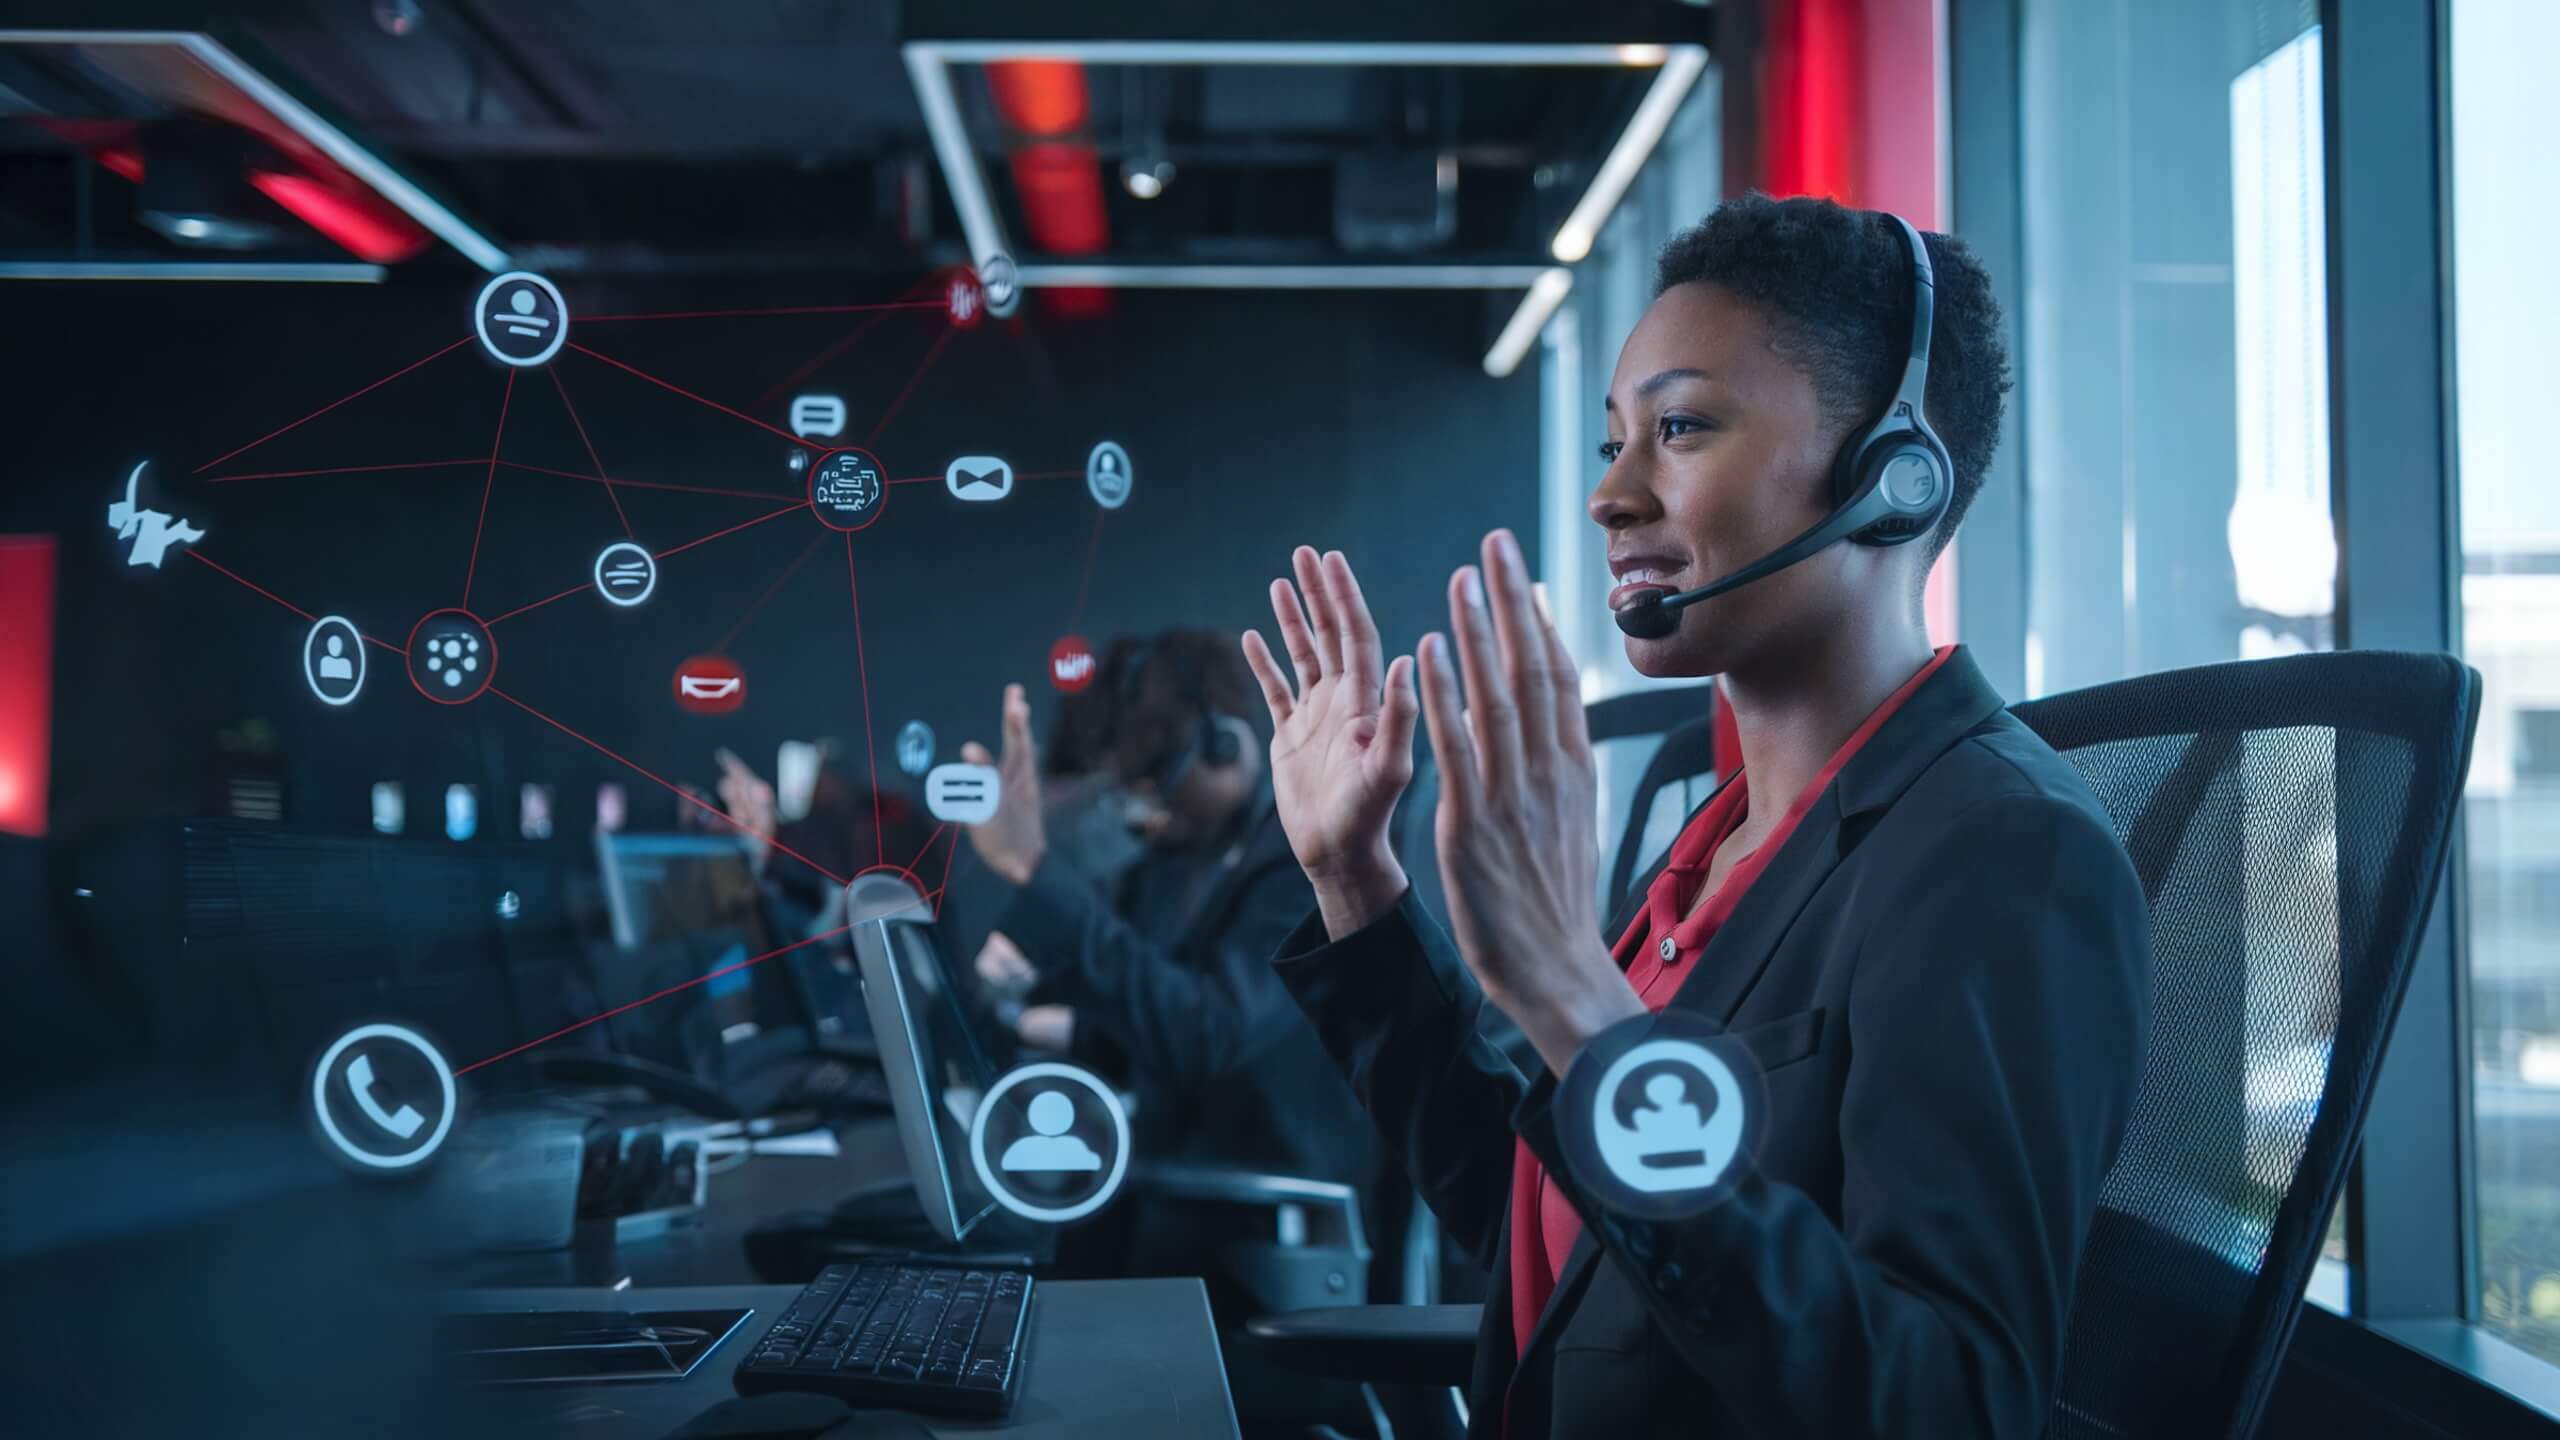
[710,685]
[625,574]
[521,319]
[1000,284]
[963,298]
[847,489]
[1071,663]
[978,478]
[821,416]
[151,531]
[333,660]
[452,657]
[915,747]
[1107,476]
[960,794]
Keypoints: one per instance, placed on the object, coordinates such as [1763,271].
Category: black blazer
[1945,973]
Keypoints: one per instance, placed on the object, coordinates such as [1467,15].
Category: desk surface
[1107,1358]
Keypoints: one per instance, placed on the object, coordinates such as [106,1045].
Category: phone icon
[403,1122]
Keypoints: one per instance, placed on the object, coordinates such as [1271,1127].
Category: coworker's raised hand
[1341,739]
[1013,840]
[1519,852]
[747,799]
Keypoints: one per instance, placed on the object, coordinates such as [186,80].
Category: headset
[1221,738]
[1892,481]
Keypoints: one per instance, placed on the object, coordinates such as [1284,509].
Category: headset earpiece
[1225,742]
[1896,471]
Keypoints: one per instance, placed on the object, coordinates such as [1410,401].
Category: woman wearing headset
[1905,906]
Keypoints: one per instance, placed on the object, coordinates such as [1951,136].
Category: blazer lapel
[1937,715]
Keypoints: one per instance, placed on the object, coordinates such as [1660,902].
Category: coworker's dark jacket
[1225,1068]
[1945,974]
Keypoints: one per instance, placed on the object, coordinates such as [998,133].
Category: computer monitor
[656,886]
[936,1072]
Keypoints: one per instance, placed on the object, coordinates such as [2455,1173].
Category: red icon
[710,685]
[962,298]
[1071,664]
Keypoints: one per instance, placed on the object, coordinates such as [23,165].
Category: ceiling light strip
[190,270]
[1536,308]
[931,76]
[1288,277]
[390,184]
[1609,184]
[1278,52]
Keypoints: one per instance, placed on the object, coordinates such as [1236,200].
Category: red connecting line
[332,405]
[487,486]
[607,480]
[680,985]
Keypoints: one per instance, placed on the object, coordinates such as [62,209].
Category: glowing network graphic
[452,654]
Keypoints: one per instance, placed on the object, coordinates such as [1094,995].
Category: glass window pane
[2503,109]
[2174,384]
[2175,336]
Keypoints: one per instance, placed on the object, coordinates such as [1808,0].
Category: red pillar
[1850,109]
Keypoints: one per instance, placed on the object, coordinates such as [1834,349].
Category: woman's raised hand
[1341,739]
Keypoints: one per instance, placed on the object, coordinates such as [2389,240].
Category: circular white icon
[521,318]
[1668,1142]
[388,1129]
[333,659]
[1041,1138]
[1000,284]
[625,574]
[915,747]
[1107,476]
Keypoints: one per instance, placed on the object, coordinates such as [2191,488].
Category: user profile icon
[1106,475]
[333,660]
[1660,1116]
[1050,1142]
[520,318]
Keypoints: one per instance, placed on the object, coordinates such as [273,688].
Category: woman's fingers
[1573,728]
[1275,686]
[1296,635]
[1320,617]
[1396,714]
[1361,661]
[1491,712]
[1523,653]
[1444,711]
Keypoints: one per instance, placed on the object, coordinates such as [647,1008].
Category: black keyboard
[902,1336]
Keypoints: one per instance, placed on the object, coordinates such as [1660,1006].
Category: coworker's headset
[1891,483]
[1220,739]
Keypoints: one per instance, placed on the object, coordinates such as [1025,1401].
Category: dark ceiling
[671,136]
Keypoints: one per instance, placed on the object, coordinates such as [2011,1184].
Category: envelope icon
[978,478]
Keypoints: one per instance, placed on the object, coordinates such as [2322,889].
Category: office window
[2174,336]
[2174,381]
[2502,111]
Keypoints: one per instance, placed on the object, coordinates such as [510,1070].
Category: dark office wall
[1254,422]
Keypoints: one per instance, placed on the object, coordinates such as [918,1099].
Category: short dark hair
[1149,692]
[1836,282]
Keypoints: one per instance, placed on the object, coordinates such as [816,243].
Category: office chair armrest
[1285,1194]
[662,1082]
[1380,1344]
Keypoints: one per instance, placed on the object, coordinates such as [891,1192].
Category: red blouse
[1655,952]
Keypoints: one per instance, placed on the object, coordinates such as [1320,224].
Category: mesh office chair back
[2288,819]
